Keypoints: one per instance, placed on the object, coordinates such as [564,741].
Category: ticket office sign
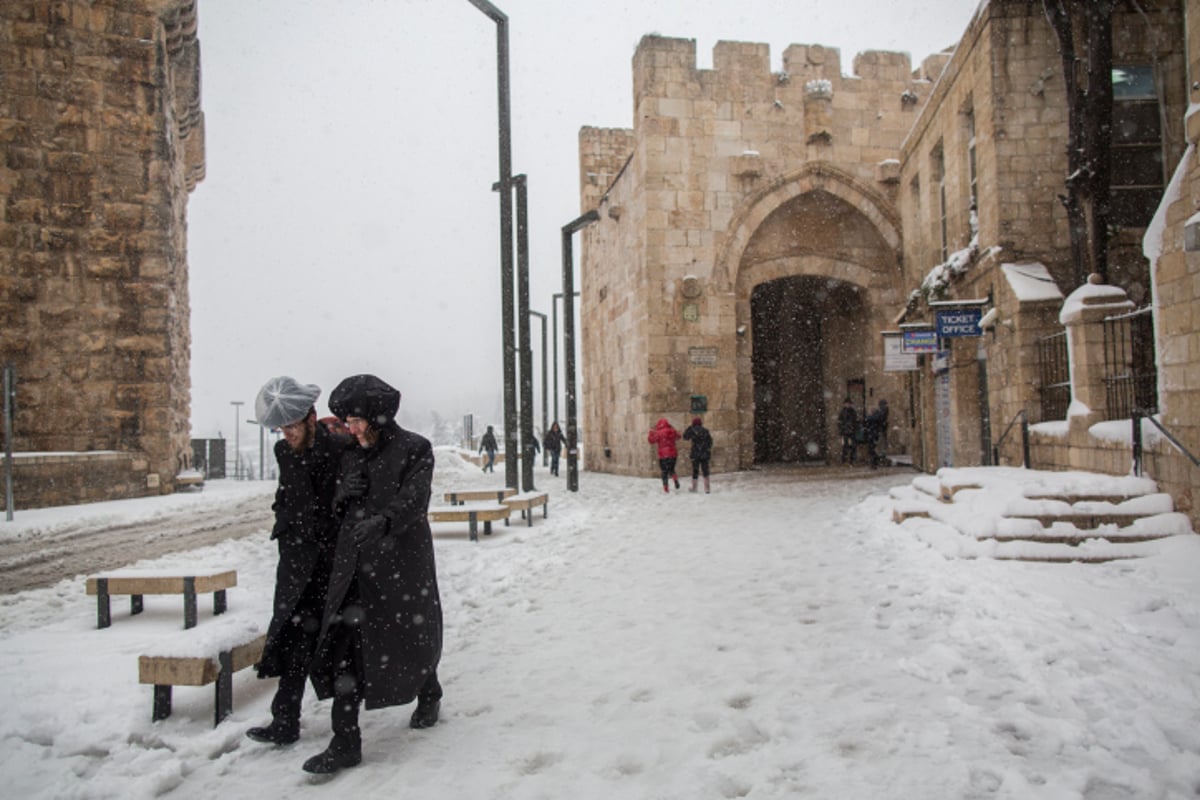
[959,322]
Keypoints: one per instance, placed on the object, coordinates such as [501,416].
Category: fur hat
[365,396]
[697,421]
[282,401]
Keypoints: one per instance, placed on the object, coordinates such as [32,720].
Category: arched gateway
[813,264]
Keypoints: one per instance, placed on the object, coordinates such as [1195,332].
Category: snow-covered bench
[472,514]
[137,583]
[456,497]
[200,657]
[525,503]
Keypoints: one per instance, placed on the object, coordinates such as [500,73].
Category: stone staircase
[1032,515]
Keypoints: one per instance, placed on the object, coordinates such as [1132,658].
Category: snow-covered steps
[1013,513]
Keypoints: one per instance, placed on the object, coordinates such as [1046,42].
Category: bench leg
[162,701]
[487,527]
[546,510]
[224,699]
[219,605]
[189,602]
[135,604]
[528,515]
[473,525]
[103,609]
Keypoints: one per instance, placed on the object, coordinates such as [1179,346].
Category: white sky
[347,222]
[771,640]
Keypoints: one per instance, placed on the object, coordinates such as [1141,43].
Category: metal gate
[1054,374]
[1130,372]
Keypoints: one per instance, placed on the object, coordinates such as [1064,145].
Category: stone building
[102,138]
[748,251]
[768,240]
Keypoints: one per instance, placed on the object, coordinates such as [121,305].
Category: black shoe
[426,715]
[275,733]
[333,758]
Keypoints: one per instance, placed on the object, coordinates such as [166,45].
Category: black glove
[352,485]
[369,531]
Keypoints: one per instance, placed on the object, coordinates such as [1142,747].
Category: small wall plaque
[691,312]
[703,356]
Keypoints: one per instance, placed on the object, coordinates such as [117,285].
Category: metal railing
[1130,372]
[1024,419]
[1054,372]
[1137,415]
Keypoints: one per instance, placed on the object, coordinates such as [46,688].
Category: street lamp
[237,457]
[506,240]
[554,336]
[545,422]
[260,446]
[568,285]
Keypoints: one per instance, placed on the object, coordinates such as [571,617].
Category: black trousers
[699,466]
[667,467]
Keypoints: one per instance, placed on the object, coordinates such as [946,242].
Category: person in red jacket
[665,437]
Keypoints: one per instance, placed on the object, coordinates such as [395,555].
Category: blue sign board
[920,341]
[959,322]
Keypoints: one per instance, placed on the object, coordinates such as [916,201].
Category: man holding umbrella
[306,532]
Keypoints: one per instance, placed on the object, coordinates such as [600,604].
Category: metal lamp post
[568,284]
[237,456]
[261,449]
[506,241]
[545,422]
[554,337]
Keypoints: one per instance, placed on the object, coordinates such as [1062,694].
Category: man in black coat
[876,426]
[702,444]
[381,637]
[848,429]
[306,532]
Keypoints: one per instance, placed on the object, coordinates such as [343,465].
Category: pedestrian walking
[702,443]
[553,444]
[488,444]
[875,427]
[664,436]
[305,532]
[848,429]
[381,635]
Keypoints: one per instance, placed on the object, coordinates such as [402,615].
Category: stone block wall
[50,479]
[102,138]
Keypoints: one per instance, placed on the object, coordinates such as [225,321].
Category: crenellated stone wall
[102,137]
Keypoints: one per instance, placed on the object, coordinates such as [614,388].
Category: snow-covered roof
[1031,282]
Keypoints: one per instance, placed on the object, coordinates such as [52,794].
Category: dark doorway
[789,407]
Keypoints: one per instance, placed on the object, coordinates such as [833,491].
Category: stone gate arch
[813,264]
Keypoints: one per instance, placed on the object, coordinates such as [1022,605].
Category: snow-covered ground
[777,638]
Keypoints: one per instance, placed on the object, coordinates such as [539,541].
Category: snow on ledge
[1031,282]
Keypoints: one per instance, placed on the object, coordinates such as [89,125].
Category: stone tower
[749,250]
[102,138]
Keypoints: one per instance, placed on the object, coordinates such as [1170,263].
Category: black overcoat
[392,582]
[306,531]
[702,442]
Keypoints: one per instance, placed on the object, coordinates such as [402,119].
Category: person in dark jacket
[487,443]
[664,436]
[874,427]
[553,443]
[701,441]
[848,429]
[381,636]
[306,532]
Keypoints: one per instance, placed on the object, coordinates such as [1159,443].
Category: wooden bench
[472,514]
[199,662]
[136,584]
[457,497]
[525,502]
